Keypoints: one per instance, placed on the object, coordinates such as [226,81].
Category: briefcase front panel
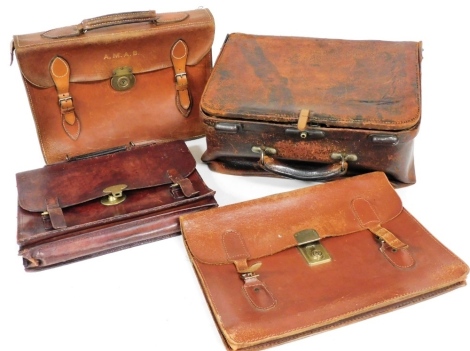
[292,264]
[117,79]
[82,208]
[347,106]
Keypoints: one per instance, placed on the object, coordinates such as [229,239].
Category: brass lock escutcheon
[114,195]
[310,247]
[123,78]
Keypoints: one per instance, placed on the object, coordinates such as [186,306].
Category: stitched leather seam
[339,317]
[390,259]
[66,66]
[324,322]
[228,255]
[356,213]
[66,129]
[179,57]
[244,289]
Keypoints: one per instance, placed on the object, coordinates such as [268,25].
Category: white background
[147,297]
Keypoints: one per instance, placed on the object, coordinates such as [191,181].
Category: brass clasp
[310,247]
[114,195]
[343,158]
[123,78]
[263,150]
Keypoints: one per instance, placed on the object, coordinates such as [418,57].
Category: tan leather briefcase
[313,109]
[292,264]
[116,79]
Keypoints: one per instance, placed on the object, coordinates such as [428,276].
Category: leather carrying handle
[114,20]
[118,19]
[326,172]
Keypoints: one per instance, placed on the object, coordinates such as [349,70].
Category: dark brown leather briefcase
[102,203]
[115,79]
[313,109]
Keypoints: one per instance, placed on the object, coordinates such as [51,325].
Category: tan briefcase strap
[179,56]
[60,74]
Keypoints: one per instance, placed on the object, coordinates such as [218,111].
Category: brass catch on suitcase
[114,195]
[123,78]
[310,248]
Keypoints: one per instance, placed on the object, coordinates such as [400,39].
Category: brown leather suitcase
[293,264]
[313,109]
[115,79]
[101,203]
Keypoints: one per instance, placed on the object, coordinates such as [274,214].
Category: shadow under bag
[292,264]
[313,109]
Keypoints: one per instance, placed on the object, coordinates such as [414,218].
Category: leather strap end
[303,119]
[388,237]
[60,73]
[258,294]
[179,56]
[185,184]
[55,213]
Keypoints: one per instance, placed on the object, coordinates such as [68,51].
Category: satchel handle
[114,20]
[117,19]
[325,172]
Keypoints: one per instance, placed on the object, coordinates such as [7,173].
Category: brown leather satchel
[115,79]
[101,203]
[313,109]
[288,265]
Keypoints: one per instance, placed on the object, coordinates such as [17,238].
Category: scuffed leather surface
[396,160]
[325,208]
[86,53]
[343,83]
[77,182]
[150,211]
[109,118]
[353,91]
[358,283]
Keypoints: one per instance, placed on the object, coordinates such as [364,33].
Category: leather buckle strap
[255,290]
[185,184]
[303,119]
[60,73]
[179,56]
[55,213]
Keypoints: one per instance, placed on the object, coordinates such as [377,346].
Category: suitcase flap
[141,44]
[365,84]
[70,183]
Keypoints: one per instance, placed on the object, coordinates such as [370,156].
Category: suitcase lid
[365,84]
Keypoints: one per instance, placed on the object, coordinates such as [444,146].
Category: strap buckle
[64,99]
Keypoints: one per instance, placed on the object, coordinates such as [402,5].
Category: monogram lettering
[118,55]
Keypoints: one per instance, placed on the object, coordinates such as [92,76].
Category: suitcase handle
[325,172]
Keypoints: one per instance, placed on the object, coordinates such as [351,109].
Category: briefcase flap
[71,183]
[364,84]
[95,53]
[265,226]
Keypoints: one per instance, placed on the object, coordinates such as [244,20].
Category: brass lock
[310,248]
[123,78]
[114,195]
